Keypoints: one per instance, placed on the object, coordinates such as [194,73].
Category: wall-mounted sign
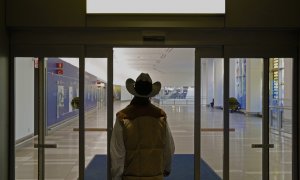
[59,68]
[157,6]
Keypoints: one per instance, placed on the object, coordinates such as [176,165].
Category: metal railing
[281,118]
[187,101]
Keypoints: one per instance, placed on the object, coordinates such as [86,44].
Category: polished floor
[61,163]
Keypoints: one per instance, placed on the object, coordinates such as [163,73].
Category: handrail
[215,129]
[281,107]
[91,129]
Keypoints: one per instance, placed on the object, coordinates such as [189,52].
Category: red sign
[59,65]
[59,71]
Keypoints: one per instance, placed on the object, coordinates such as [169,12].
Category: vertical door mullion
[41,120]
[226,120]
[110,108]
[265,119]
[81,118]
[295,123]
[197,114]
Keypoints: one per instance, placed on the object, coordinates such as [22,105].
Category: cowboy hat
[144,78]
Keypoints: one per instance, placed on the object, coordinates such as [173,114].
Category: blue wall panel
[62,88]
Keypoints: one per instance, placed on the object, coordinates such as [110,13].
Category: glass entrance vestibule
[231,118]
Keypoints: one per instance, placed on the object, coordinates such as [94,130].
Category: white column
[254,85]
[218,82]
[288,82]
[210,79]
[232,78]
[204,100]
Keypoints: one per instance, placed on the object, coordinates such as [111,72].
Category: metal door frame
[95,51]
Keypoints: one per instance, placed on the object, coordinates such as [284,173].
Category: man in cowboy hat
[141,145]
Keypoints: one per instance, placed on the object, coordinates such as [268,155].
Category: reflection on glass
[26,156]
[281,70]
[245,122]
[212,114]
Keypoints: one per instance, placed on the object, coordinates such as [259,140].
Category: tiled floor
[245,162]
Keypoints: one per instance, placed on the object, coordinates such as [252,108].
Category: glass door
[212,123]
[61,117]
[210,85]
[246,118]
[96,112]
[26,116]
[281,119]
[240,137]
[95,118]
[46,147]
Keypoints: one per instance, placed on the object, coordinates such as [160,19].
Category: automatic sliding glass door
[46,146]
[281,117]
[96,112]
[245,106]
[61,86]
[95,121]
[212,123]
[25,86]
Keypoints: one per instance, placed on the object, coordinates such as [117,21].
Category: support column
[254,85]
[218,82]
[210,79]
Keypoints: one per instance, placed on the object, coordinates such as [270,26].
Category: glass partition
[212,84]
[95,118]
[54,85]
[26,156]
[281,122]
[245,106]
[62,86]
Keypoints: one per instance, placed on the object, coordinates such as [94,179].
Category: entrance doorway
[207,132]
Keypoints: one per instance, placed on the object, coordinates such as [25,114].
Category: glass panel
[62,86]
[245,106]
[26,156]
[281,79]
[174,68]
[95,117]
[212,85]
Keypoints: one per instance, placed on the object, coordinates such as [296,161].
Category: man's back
[144,136]
[141,144]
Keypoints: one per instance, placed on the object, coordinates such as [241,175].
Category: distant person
[142,145]
[212,104]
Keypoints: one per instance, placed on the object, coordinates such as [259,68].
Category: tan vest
[144,133]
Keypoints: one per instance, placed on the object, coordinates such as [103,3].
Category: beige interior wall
[3,95]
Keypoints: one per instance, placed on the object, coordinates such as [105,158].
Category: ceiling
[170,66]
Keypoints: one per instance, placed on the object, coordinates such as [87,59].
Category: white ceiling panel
[170,66]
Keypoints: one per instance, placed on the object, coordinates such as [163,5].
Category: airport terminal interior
[174,68]
[230,85]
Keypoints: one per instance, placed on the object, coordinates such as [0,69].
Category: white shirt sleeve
[169,149]
[117,152]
